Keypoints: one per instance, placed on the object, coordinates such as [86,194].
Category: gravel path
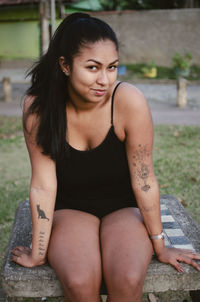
[162,102]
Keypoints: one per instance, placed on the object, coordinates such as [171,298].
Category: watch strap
[156,237]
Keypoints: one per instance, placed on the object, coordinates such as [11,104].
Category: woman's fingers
[17,259]
[21,249]
[187,257]
[23,256]
[194,256]
[27,248]
[174,256]
[14,258]
[189,260]
[178,266]
[16,252]
[187,251]
[190,253]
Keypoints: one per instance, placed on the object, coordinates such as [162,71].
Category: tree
[120,4]
[147,4]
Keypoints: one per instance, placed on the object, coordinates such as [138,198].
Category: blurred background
[147,29]
[159,54]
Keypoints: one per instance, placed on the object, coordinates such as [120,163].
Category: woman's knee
[80,285]
[128,282]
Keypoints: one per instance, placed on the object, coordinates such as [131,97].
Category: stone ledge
[42,281]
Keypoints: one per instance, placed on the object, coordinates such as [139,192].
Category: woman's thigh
[74,251]
[126,248]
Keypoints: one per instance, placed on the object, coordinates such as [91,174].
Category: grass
[163,72]
[15,170]
[176,159]
[177,164]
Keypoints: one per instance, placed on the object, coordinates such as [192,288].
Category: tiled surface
[174,237]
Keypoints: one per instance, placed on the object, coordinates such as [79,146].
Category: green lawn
[176,158]
[177,164]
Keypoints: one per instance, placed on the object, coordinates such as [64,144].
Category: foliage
[148,67]
[164,4]
[182,62]
[194,72]
[136,70]
[141,4]
[111,4]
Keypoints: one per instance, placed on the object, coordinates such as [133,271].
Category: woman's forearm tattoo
[41,244]
[41,241]
[141,170]
[144,174]
[41,213]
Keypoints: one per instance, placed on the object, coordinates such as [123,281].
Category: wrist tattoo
[41,244]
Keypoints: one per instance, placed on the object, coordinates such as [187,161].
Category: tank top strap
[112,102]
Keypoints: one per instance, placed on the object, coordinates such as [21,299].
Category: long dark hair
[49,82]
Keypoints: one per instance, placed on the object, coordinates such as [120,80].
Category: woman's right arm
[43,188]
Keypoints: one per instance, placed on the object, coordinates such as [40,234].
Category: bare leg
[74,254]
[126,254]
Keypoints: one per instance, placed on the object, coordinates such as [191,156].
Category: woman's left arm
[139,144]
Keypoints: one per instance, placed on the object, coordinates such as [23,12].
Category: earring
[66,72]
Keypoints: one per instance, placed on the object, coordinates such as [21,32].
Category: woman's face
[93,72]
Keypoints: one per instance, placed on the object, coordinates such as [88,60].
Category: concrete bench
[180,231]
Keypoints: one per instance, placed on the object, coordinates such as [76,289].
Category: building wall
[157,34]
[19,40]
[143,35]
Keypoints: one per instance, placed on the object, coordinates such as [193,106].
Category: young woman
[94,198]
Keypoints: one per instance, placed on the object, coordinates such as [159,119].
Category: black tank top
[97,180]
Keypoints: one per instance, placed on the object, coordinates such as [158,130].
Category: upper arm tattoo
[141,169]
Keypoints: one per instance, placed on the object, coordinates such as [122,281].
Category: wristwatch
[160,236]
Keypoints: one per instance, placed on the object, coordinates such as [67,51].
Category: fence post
[181,100]
[7,89]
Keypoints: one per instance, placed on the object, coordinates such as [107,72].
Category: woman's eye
[113,67]
[92,67]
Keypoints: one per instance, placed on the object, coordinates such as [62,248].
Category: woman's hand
[23,256]
[174,256]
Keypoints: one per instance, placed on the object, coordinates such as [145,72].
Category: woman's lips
[99,92]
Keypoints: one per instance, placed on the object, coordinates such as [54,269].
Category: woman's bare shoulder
[30,119]
[130,96]
[130,101]
[135,115]
[28,101]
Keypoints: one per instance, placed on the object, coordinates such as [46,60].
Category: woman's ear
[63,65]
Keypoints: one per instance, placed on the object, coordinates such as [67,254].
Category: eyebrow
[99,63]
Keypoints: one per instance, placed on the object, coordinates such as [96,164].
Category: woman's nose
[102,78]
